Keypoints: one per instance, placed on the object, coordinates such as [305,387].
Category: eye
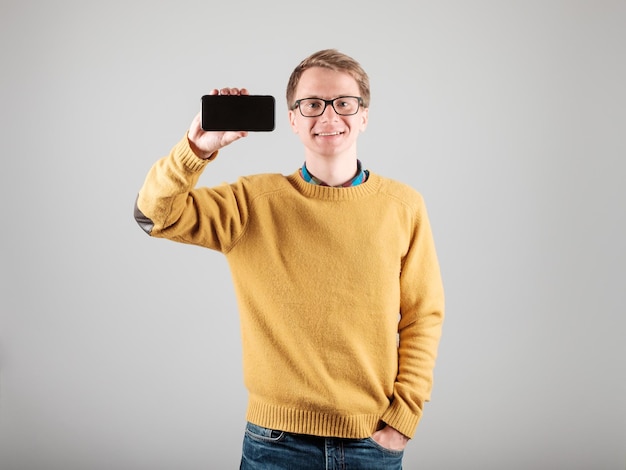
[313,104]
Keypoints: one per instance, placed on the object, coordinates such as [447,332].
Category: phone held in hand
[238,113]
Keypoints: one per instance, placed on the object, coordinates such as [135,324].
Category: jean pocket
[376,445]
[259,433]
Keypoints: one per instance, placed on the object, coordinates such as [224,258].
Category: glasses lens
[311,107]
[346,105]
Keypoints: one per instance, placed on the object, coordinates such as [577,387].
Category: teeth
[328,133]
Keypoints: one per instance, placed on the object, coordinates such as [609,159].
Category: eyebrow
[327,99]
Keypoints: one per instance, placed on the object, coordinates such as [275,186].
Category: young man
[336,275]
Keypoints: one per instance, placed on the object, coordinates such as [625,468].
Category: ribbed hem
[311,422]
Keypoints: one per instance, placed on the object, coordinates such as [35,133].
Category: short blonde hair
[334,60]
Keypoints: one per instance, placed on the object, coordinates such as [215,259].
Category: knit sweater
[339,291]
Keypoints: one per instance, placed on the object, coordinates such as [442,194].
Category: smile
[328,134]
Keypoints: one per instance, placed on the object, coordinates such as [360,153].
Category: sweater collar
[360,177]
[330,193]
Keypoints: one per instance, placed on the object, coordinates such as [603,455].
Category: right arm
[168,206]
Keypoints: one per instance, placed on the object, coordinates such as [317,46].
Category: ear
[292,121]
[364,118]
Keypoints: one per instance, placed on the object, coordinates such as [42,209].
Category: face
[329,135]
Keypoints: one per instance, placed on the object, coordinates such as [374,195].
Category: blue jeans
[268,449]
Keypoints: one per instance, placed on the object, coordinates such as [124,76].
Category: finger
[233,91]
[195,128]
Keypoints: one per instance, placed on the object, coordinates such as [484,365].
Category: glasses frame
[326,103]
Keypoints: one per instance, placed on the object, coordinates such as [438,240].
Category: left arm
[422,312]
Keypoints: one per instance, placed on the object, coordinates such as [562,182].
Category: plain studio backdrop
[118,351]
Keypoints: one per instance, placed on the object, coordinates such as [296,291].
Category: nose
[329,113]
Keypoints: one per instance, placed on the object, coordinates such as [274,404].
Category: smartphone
[238,113]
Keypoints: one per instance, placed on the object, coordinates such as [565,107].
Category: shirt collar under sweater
[330,193]
[360,177]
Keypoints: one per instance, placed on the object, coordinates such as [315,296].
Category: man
[336,275]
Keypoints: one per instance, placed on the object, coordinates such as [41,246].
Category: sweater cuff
[188,158]
[399,417]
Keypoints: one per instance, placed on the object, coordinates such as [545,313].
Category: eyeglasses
[344,105]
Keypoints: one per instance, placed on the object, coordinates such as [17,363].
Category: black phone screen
[238,113]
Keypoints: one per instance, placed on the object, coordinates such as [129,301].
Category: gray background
[121,351]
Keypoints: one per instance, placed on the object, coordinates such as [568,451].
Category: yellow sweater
[339,291]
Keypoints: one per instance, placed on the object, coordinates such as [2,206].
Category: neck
[333,172]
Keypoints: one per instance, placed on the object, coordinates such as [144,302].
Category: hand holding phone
[204,143]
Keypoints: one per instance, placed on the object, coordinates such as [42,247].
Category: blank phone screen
[238,113]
